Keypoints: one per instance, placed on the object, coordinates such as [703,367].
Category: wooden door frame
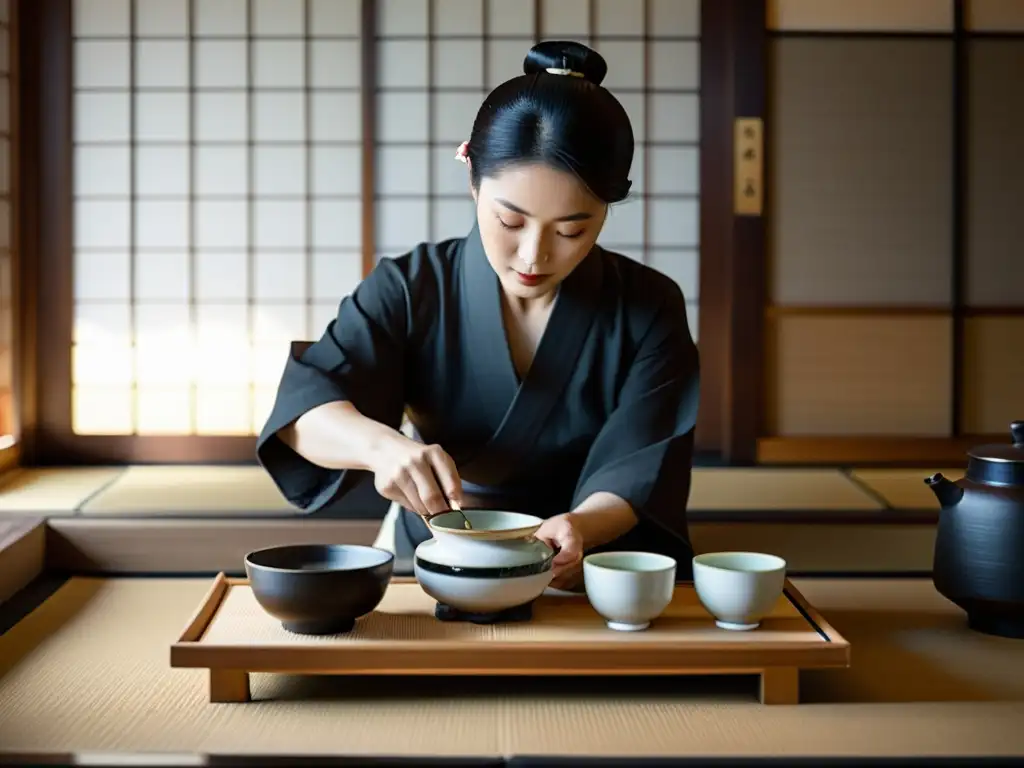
[731,273]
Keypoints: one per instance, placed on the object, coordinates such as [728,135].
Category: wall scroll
[748,165]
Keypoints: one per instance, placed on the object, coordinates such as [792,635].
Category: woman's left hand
[561,535]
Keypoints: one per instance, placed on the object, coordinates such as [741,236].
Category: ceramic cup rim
[660,564]
[743,562]
[525,523]
[387,557]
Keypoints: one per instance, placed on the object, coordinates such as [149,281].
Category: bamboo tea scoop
[456,507]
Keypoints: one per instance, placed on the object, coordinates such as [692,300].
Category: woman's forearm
[337,436]
[602,517]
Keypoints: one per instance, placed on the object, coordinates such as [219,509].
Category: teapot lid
[1011,452]
[999,464]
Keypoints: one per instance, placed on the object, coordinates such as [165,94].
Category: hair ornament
[564,69]
[560,71]
[462,153]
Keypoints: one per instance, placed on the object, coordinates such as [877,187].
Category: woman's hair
[558,114]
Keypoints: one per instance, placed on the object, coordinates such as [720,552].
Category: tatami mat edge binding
[902,488]
[250,760]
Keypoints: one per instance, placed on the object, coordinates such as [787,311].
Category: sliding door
[895,317]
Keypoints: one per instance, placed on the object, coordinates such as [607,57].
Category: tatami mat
[776,489]
[53,491]
[205,490]
[190,490]
[832,548]
[89,671]
[903,488]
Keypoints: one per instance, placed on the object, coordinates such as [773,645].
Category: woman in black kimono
[541,372]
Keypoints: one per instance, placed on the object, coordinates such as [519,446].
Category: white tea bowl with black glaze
[492,567]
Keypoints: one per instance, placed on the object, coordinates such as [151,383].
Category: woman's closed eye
[506,225]
[567,235]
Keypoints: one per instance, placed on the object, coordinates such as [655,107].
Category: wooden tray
[232,636]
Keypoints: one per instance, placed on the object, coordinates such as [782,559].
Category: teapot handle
[1017,432]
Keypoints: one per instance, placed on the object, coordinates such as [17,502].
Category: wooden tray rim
[592,658]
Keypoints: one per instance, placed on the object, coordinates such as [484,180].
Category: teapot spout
[947,492]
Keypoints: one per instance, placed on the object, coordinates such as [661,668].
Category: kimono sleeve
[644,452]
[359,359]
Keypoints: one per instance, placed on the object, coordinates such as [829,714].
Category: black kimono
[609,402]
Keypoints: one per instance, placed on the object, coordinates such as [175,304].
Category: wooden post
[229,686]
[780,685]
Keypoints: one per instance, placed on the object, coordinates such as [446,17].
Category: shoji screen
[437,60]
[217,207]
[993,295]
[7,161]
[653,54]
[430,79]
[896,274]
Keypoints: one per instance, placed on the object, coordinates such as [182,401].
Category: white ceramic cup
[738,588]
[629,589]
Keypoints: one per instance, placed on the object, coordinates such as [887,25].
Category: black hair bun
[566,54]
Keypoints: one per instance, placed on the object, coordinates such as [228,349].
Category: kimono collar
[521,407]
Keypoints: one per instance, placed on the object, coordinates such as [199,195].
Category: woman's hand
[560,534]
[420,477]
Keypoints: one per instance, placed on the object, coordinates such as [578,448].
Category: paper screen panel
[863,172]
[217,203]
[861,16]
[994,15]
[992,372]
[436,63]
[565,20]
[995,228]
[430,81]
[855,376]
[653,56]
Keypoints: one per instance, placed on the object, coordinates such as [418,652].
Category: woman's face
[537,224]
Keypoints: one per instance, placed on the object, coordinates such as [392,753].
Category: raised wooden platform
[232,637]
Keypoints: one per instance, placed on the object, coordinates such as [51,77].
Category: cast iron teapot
[979,548]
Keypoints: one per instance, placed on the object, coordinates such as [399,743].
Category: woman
[541,372]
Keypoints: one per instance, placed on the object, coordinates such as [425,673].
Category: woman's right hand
[422,478]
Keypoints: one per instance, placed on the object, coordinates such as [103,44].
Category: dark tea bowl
[319,589]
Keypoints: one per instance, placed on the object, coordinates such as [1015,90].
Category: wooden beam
[732,261]
[181,545]
[715,219]
[368,105]
[748,272]
[871,451]
[881,310]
